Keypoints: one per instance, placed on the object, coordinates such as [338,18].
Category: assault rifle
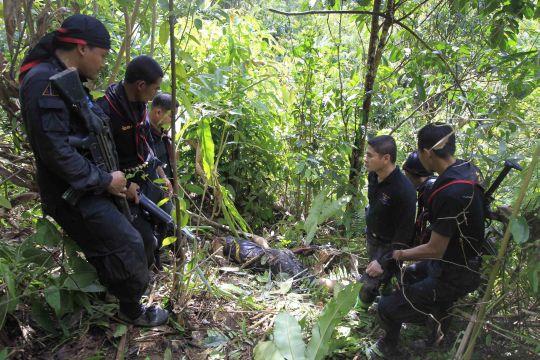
[161,215]
[99,142]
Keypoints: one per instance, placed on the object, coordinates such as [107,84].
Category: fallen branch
[259,240]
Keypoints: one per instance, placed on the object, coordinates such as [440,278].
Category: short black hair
[431,134]
[143,68]
[164,101]
[384,144]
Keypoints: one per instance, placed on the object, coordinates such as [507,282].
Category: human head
[414,170]
[381,153]
[144,75]
[436,141]
[82,40]
[162,106]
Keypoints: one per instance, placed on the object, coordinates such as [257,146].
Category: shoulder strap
[453,182]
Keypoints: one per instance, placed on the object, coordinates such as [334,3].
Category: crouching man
[449,263]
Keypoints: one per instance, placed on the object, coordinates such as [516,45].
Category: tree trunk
[376,47]
[125,45]
[153,31]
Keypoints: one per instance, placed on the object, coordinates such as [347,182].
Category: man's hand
[117,186]
[374,269]
[166,180]
[132,193]
[397,255]
[170,190]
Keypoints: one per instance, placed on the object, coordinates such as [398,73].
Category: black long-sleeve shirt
[49,122]
[163,149]
[392,208]
[457,211]
[129,126]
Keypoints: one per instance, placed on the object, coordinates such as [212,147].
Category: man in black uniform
[160,121]
[125,104]
[110,243]
[423,181]
[391,212]
[450,261]
[159,118]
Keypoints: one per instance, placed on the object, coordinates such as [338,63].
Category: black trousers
[370,290]
[159,230]
[428,287]
[110,243]
[143,224]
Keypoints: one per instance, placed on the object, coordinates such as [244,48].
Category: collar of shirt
[386,180]
[460,169]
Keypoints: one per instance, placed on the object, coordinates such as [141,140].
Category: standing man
[391,212]
[449,266]
[109,241]
[160,120]
[125,104]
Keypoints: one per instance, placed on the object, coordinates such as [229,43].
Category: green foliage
[288,337]
[272,106]
[320,344]
[287,340]
[519,229]
[52,295]
[207,147]
[321,210]
[5,202]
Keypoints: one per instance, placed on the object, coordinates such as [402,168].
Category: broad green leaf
[207,147]
[163,201]
[196,189]
[46,233]
[198,23]
[321,210]
[120,330]
[534,275]
[187,103]
[84,281]
[519,229]
[288,337]
[321,335]
[53,298]
[169,240]
[79,265]
[164,32]
[42,316]
[180,71]
[5,202]
[267,350]
[5,303]
[168,354]
[10,282]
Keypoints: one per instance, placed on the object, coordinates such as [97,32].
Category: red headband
[67,39]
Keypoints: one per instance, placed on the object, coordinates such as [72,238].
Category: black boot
[149,317]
